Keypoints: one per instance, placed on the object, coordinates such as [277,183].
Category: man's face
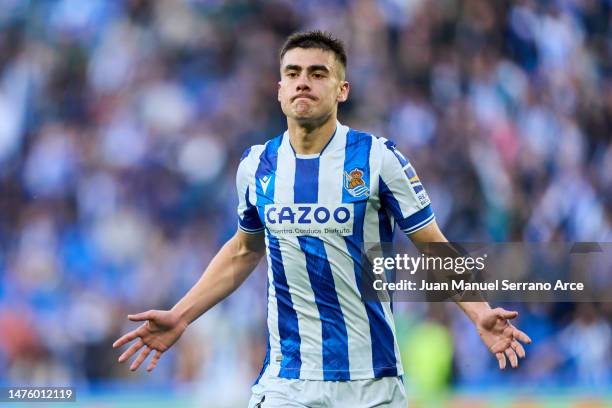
[312,83]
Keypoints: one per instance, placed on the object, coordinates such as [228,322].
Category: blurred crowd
[121,126]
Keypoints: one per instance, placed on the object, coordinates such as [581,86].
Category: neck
[309,138]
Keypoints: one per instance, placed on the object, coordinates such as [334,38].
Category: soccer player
[309,199]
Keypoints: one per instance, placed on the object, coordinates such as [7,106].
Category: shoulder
[362,142]
[379,145]
[385,144]
[254,155]
[255,152]
[249,161]
[252,152]
[359,136]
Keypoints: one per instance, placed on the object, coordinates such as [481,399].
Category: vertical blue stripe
[287,316]
[388,200]
[358,146]
[306,184]
[385,229]
[333,327]
[385,226]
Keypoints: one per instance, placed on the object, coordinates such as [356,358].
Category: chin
[306,116]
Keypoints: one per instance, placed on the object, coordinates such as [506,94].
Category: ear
[345,87]
[278,91]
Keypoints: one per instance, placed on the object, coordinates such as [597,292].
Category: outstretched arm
[226,272]
[493,325]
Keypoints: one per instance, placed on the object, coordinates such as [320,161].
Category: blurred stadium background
[121,125]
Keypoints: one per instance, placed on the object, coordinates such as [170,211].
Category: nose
[303,83]
[303,87]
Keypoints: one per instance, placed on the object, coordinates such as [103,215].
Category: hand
[500,336]
[160,330]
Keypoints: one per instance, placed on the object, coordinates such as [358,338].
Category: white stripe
[294,262]
[285,173]
[331,175]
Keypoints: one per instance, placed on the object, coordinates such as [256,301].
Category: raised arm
[226,272]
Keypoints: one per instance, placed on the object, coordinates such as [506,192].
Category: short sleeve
[248,217]
[402,192]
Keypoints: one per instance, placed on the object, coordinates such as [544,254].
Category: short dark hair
[316,39]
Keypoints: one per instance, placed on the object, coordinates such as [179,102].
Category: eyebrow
[311,68]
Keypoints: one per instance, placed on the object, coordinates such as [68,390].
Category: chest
[315,198]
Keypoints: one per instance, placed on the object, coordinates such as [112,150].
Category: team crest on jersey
[354,184]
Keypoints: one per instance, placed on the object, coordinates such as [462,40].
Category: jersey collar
[335,143]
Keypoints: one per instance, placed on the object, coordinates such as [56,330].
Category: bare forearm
[225,273]
[432,234]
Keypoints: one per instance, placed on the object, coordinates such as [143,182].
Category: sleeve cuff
[250,230]
[418,220]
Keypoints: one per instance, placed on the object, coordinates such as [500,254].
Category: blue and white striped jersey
[317,212]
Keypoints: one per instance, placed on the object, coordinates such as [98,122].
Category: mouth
[295,98]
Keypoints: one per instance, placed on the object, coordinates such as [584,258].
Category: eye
[292,74]
[317,75]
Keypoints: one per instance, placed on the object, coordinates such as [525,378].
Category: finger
[520,351]
[138,317]
[501,359]
[140,358]
[130,352]
[521,336]
[154,361]
[126,338]
[501,345]
[506,314]
[512,357]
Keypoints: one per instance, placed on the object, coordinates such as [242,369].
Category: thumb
[506,314]
[148,315]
